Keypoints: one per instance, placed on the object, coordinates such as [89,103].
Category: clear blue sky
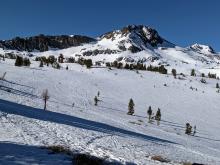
[180,21]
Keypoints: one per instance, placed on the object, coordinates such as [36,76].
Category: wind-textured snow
[106,130]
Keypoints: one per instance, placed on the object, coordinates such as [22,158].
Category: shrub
[70,60]
[107,64]
[188,130]
[212,75]
[88,63]
[60,58]
[26,62]
[56,65]
[19,61]
[203,80]
[41,64]
[51,59]
[174,72]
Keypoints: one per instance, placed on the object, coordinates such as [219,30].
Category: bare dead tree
[45,97]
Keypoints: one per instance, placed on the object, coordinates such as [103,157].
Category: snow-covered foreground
[106,130]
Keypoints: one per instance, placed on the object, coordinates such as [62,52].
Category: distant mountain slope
[131,44]
[44,43]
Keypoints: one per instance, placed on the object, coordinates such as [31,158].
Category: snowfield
[106,130]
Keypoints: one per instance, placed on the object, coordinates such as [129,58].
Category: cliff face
[43,43]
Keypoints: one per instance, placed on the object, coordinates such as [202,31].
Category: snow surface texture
[106,130]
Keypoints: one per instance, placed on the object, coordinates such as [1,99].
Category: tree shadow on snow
[39,114]
[18,154]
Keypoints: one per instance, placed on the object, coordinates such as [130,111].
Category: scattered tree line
[157,116]
[161,69]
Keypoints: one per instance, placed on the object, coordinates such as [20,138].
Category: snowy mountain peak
[204,49]
[136,38]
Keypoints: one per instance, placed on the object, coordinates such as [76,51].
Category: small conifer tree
[217,85]
[158,116]
[19,61]
[149,112]
[96,100]
[131,107]
[193,73]
[174,72]
[41,63]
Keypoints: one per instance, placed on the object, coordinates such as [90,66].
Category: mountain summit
[137,38]
[204,49]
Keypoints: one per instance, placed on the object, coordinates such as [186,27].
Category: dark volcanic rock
[43,43]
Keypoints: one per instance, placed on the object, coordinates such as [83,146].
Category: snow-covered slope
[106,130]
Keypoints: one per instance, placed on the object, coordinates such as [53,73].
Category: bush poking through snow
[56,65]
[210,75]
[188,130]
[88,63]
[203,81]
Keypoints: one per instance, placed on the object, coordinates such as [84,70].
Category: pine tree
[131,107]
[60,58]
[26,62]
[88,63]
[149,112]
[127,66]
[193,72]
[217,85]
[158,116]
[19,61]
[96,100]
[174,72]
[41,63]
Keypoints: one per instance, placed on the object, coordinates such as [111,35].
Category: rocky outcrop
[44,43]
